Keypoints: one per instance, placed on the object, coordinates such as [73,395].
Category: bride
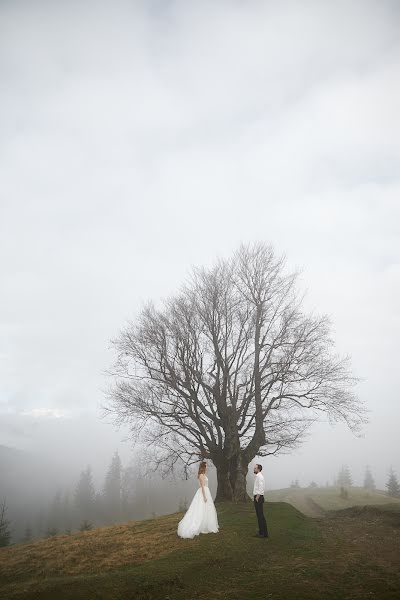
[201,516]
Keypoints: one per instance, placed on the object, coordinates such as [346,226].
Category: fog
[141,138]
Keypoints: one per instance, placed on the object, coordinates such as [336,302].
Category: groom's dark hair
[259,467]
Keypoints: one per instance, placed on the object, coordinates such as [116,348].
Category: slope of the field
[346,555]
[315,501]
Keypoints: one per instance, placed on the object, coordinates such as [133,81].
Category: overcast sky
[140,138]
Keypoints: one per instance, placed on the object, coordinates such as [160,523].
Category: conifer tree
[28,534]
[66,510]
[344,478]
[55,514]
[39,522]
[112,489]
[51,532]
[182,504]
[369,483]
[393,487]
[129,485]
[85,494]
[5,531]
[85,525]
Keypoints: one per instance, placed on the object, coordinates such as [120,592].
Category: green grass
[344,556]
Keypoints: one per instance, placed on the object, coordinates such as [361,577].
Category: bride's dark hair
[202,468]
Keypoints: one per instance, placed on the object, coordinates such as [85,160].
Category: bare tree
[230,368]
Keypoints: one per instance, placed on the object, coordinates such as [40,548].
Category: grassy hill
[315,501]
[343,556]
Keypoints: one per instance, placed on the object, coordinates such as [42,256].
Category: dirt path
[304,504]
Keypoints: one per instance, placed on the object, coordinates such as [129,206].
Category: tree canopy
[230,367]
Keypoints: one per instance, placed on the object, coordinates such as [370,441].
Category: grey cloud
[140,138]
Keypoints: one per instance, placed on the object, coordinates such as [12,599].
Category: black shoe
[258,535]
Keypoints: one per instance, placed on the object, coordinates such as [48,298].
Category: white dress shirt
[258,485]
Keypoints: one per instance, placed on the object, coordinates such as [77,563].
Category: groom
[259,501]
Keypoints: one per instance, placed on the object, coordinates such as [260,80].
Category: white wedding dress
[200,517]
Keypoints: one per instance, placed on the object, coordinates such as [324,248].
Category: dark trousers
[262,523]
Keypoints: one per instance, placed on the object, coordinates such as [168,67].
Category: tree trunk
[231,478]
[224,487]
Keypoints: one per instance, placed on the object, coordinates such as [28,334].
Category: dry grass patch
[102,549]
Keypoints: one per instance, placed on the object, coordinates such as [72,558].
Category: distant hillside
[314,559]
[16,466]
[24,484]
[13,463]
[314,501]
[10,453]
